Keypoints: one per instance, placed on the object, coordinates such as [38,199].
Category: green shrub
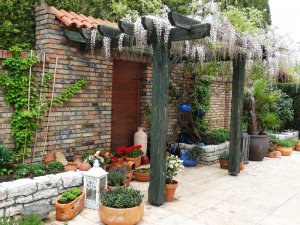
[143,170]
[224,155]
[31,219]
[121,197]
[194,153]
[55,167]
[285,143]
[69,196]
[22,172]
[115,179]
[216,137]
[38,169]
[6,156]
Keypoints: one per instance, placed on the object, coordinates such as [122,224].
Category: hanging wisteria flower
[93,39]
[174,165]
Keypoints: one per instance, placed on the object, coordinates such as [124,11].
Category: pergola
[184,28]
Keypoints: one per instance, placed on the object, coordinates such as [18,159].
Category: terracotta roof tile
[71,19]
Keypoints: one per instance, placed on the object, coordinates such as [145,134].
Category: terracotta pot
[113,216]
[85,166]
[297,147]
[143,177]
[71,167]
[271,154]
[129,164]
[137,161]
[129,175]
[65,212]
[170,191]
[259,145]
[145,160]
[49,158]
[242,167]
[274,145]
[140,138]
[224,164]
[285,151]
[78,159]
[277,154]
[119,162]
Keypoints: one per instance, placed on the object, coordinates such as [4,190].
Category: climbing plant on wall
[18,85]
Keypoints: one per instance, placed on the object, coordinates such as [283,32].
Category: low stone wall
[210,153]
[286,135]
[24,195]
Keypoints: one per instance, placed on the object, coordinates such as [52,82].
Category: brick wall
[85,121]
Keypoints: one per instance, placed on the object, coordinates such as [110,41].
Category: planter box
[65,212]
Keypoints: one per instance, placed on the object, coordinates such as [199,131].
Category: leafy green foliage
[122,197]
[69,196]
[55,167]
[8,221]
[15,84]
[224,155]
[115,179]
[142,170]
[216,137]
[285,143]
[6,156]
[194,153]
[31,219]
[34,169]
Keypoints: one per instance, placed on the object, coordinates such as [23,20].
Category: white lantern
[95,182]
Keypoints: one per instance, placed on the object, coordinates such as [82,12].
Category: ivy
[15,83]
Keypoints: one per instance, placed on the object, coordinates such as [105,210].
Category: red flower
[114,159]
[138,146]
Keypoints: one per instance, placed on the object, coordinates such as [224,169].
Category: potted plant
[134,153]
[121,206]
[104,158]
[224,159]
[115,179]
[142,174]
[259,101]
[191,156]
[125,170]
[174,164]
[271,152]
[297,145]
[69,204]
[119,155]
[285,147]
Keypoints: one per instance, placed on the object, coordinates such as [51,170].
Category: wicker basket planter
[65,212]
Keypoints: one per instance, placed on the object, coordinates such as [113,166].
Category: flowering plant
[104,157]
[134,151]
[174,164]
[121,151]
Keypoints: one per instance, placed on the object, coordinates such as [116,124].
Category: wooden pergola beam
[197,32]
[182,21]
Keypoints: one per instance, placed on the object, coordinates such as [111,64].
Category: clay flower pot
[85,166]
[65,212]
[297,147]
[137,161]
[170,191]
[242,167]
[128,177]
[271,154]
[71,167]
[223,164]
[78,159]
[142,177]
[285,151]
[114,216]
[277,154]
[49,158]
[145,159]
[114,187]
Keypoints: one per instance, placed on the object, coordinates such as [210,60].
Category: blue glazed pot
[185,107]
[187,162]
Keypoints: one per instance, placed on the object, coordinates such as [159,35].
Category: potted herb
[142,174]
[125,170]
[259,101]
[174,165]
[224,159]
[191,156]
[115,179]
[69,204]
[285,147]
[134,153]
[121,206]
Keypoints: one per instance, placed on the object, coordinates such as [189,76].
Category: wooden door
[125,102]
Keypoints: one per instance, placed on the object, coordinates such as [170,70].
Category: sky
[286,16]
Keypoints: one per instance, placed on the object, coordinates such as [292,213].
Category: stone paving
[265,193]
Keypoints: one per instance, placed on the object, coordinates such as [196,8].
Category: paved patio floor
[265,193]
